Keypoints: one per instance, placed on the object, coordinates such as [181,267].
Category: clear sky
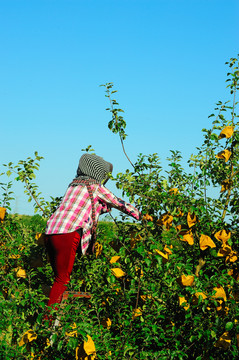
[165,57]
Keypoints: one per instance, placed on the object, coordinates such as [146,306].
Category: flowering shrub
[162,288]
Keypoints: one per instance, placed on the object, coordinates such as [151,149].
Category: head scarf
[92,168]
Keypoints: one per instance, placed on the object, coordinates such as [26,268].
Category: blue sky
[165,58]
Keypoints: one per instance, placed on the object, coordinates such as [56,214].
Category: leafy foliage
[163,288]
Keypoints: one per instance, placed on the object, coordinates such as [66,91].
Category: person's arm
[111,200]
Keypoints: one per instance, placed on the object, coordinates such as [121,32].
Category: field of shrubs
[166,287]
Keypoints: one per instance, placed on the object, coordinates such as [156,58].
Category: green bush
[162,288]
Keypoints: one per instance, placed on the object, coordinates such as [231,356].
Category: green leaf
[213,334]
[229,326]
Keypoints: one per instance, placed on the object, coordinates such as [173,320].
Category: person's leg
[62,250]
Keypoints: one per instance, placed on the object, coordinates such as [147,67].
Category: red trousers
[62,251]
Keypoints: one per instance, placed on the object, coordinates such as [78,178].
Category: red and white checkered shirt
[75,211]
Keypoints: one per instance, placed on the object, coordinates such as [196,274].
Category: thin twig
[8,233]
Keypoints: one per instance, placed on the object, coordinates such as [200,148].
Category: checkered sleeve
[108,198]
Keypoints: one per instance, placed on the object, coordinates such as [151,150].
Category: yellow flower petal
[223,236]
[226,184]
[27,337]
[225,155]
[224,341]
[40,239]
[72,333]
[186,280]
[179,213]
[114,259]
[168,250]
[182,300]
[134,238]
[234,273]
[145,297]
[148,217]
[86,350]
[2,213]
[191,219]
[165,220]
[174,191]
[21,273]
[141,271]
[89,346]
[163,256]
[117,272]
[106,323]
[187,235]
[220,293]
[136,312]
[14,256]
[197,295]
[231,258]
[226,132]
[205,242]
[98,249]
[224,251]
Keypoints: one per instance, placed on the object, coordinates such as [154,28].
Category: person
[72,227]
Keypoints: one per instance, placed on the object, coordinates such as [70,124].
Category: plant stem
[34,198]
[122,143]
[8,233]
[228,196]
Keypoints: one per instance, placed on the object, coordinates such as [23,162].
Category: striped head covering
[92,168]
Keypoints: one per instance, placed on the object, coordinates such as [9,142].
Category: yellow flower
[21,273]
[174,191]
[232,257]
[225,250]
[226,184]
[27,337]
[114,259]
[186,280]
[187,235]
[86,350]
[145,297]
[40,239]
[182,300]
[168,250]
[197,295]
[205,242]
[220,293]
[225,155]
[117,272]
[179,213]
[226,132]
[148,217]
[234,273]
[98,249]
[223,236]
[163,256]
[165,220]
[2,213]
[14,256]
[224,341]
[106,323]
[191,219]
[134,238]
[72,333]
[136,312]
